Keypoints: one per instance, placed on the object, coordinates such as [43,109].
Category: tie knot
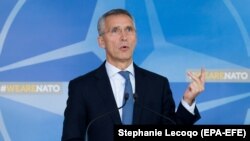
[125,74]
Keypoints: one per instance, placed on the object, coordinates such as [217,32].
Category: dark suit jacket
[91,96]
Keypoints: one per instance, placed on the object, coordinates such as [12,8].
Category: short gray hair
[101,20]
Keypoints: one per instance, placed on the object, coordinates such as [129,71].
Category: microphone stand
[126,96]
[159,114]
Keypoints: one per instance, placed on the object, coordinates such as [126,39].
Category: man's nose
[123,35]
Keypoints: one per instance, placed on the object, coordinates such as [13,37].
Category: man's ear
[101,42]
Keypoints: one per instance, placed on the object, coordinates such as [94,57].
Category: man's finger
[203,75]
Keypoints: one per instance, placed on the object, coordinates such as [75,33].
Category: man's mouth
[124,47]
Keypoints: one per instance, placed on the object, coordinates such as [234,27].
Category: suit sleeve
[181,115]
[74,123]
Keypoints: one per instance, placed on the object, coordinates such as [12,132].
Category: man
[94,98]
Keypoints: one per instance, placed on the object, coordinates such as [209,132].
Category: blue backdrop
[46,43]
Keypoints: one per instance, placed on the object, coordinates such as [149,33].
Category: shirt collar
[112,70]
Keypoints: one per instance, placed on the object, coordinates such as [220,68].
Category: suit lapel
[105,91]
[140,90]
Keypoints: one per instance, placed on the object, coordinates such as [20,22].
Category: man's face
[119,39]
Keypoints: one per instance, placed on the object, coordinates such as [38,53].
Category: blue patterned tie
[127,112]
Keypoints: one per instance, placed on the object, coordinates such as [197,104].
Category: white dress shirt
[118,82]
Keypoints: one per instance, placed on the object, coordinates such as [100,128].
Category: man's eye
[114,30]
[129,29]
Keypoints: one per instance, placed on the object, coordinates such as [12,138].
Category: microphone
[135,95]
[126,96]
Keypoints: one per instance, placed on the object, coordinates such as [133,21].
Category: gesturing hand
[196,86]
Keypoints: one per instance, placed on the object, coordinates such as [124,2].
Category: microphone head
[135,95]
[126,96]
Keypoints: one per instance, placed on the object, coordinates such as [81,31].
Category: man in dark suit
[94,98]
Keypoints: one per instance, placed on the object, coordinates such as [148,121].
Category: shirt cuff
[188,107]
